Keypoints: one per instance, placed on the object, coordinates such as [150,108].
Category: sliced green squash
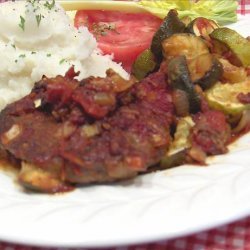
[224,97]
[229,42]
[171,25]
[232,73]
[185,44]
[205,70]
[179,78]
[144,64]
[177,151]
[202,26]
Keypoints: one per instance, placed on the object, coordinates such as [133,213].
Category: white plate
[151,207]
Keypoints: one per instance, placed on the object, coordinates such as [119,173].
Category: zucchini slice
[224,97]
[185,44]
[229,43]
[232,73]
[201,26]
[144,64]
[174,160]
[205,70]
[171,25]
[176,154]
[182,135]
[179,78]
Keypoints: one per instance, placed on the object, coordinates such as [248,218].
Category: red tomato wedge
[125,35]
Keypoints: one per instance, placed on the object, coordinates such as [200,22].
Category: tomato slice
[125,35]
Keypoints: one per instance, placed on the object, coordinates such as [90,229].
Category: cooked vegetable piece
[170,161]
[37,179]
[179,78]
[201,26]
[177,151]
[244,122]
[171,25]
[188,45]
[231,44]
[232,73]
[144,64]
[186,20]
[205,70]
[181,137]
[224,97]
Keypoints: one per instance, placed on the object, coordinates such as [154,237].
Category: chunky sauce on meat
[63,134]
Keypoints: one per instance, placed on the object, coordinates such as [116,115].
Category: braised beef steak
[96,130]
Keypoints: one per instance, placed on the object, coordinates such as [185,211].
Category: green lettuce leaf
[222,11]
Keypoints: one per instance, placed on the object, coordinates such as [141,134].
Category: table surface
[234,236]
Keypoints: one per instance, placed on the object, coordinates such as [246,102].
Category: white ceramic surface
[151,207]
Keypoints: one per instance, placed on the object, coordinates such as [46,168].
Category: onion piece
[244,122]
[104,99]
[38,103]
[11,134]
[66,130]
[120,84]
[197,155]
[90,130]
[39,179]
[174,160]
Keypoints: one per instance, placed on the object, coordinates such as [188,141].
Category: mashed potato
[37,39]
